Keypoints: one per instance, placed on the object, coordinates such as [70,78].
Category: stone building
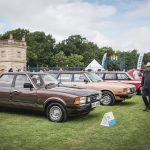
[13,54]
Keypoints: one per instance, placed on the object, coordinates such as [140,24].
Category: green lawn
[27,130]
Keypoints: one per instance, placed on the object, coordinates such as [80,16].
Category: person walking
[145,87]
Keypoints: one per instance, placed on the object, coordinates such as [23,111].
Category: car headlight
[88,99]
[126,90]
[80,100]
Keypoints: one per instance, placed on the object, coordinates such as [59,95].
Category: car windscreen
[43,79]
[94,77]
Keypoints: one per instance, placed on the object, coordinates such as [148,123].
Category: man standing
[145,84]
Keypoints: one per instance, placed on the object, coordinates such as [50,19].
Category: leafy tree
[79,45]
[146,58]
[40,49]
[91,52]
[128,58]
[60,59]
[17,34]
[113,66]
[75,60]
[73,45]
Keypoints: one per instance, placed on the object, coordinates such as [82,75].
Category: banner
[108,120]
[140,59]
[103,60]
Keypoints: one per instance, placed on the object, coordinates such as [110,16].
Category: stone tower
[13,54]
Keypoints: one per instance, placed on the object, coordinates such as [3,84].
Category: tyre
[138,92]
[56,112]
[107,98]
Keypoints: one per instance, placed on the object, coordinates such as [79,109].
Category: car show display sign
[104,60]
[140,59]
[108,120]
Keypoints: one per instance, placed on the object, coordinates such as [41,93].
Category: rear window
[110,76]
[122,76]
[6,80]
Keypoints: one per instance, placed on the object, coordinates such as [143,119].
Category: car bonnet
[75,91]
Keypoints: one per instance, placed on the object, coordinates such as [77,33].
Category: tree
[73,45]
[146,58]
[40,49]
[76,50]
[75,60]
[17,34]
[60,59]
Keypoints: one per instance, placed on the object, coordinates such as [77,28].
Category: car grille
[132,90]
[93,98]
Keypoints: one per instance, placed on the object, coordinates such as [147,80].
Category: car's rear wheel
[56,112]
[107,98]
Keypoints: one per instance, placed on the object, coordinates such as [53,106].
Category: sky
[120,24]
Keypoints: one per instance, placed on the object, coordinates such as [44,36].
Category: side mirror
[86,81]
[28,85]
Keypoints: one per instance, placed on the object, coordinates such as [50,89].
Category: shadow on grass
[125,103]
[35,113]
[84,117]
[23,112]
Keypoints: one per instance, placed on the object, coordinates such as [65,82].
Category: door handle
[74,85]
[16,92]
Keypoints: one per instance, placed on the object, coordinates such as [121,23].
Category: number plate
[95,104]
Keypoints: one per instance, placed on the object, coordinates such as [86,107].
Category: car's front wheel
[107,98]
[56,112]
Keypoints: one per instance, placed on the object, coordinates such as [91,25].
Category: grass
[29,130]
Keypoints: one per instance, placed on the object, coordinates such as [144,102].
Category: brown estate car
[40,91]
[111,92]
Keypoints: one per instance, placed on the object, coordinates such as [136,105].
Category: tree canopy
[75,51]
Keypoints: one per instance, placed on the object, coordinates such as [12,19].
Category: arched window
[18,54]
[3,53]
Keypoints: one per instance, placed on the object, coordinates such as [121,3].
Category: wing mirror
[28,85]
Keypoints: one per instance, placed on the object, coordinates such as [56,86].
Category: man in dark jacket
[145,84]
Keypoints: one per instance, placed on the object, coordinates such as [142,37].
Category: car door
[5,88]
[81,81]
[21,96]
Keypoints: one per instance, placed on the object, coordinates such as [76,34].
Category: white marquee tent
[94,66]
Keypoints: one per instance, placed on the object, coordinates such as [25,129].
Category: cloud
[101,23]
[141,11]
[60,18]
[1,26]
[138,38]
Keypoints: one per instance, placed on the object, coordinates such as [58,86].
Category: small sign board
[108,120]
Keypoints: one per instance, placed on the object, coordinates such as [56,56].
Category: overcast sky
[120,24]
